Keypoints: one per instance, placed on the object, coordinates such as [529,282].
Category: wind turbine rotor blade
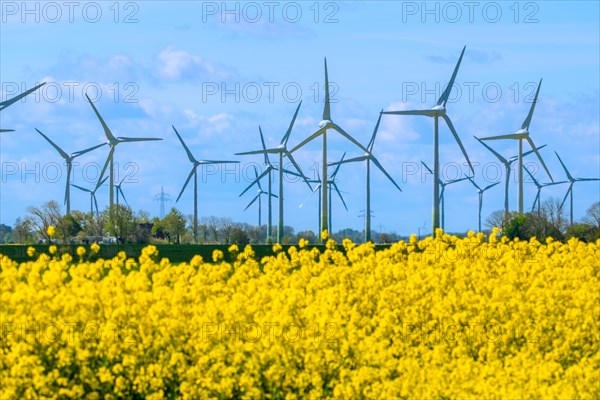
[82,152]
[349,160]
[123,195]
[60,151]
[535,200]
[6,130]
[586,179]
[350,138]
[326,107]
[372,141]
[308,139]
[531,175]
[258,178]
[187,150]
[69,168]
[205,162]
[262,141]
[494,152]
[490,186]
[564,167]
[285,138]
[530,114]
[268,151]
[427,113]
[428,169]
[81,188]
[289,155]
[289,172]
[470,178]
[450,182]
[444,97]
[338,166]
[108,159]
[95,202]
[252,202]
[187,181]
[378,164]
[537,153]
[101,183]
[131,139]
[111,138]
[509,136]
[528,152]
[335,187]
[8,102]
[312,192]
[565,198]
[462,148]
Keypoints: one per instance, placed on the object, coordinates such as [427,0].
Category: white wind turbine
[507,167]
[324,126]
[194,172]
[281,150]
[369,157]
[259,193]
[443,185]
[570,190]
[92,192]
[69,161]
[439,110]
[331,184]
[539,187]
[480,191]
[520,135]
[112,142]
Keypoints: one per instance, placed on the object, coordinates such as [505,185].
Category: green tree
[23,232]
[119,221]
[174,224]
[41,218]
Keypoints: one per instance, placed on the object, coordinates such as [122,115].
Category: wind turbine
[93,201]
[539,188]
[521,134]
[194,172]
[480,191]
[331,185]
[369,157]
[8,102]
[443,185]
[570,190]
[325,125]
[281,150]
[268,171]
[259,193]
[120,190]
[112,142]
[439,110]
[69,161]
[507,167]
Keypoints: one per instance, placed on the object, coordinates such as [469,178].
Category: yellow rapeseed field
[444,317]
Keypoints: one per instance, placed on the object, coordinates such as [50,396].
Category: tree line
[120,224]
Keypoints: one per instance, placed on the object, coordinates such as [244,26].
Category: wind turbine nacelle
[439,108]
[325,123]
[523,131]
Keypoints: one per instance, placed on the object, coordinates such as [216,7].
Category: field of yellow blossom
[445,317]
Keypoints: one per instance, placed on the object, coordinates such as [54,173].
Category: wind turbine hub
[325,123]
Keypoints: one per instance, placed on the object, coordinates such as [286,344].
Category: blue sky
[219,70]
